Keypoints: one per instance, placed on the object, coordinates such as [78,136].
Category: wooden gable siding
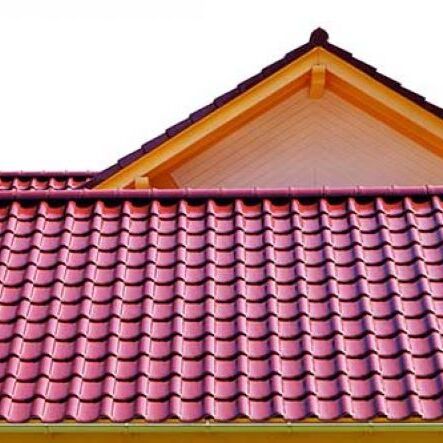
[312,142]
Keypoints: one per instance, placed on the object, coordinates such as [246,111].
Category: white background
[83,83]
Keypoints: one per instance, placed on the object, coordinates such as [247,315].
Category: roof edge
[245,193]
[48,173]
[211,427]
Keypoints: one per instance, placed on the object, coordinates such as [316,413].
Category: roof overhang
[224,433]
[211,427]
[316,69]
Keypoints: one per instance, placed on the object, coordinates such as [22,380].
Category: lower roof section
[43,180]
[195,305]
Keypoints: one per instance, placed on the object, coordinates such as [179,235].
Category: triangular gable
[314,68]
[302,142]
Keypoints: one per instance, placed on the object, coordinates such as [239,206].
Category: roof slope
[319,38]
[42,181]
[192,305]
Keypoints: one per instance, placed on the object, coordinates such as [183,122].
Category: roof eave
[210,427]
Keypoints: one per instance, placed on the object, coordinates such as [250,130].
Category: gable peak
[314,66]
[318,37]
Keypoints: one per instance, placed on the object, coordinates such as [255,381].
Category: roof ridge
[221,193]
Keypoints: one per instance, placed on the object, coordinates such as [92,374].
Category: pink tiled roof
[30,181]
[221,304]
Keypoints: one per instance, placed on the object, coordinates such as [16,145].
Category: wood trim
[382,112]
[217,135]
[164,181]
[339,76]
[142,183]
[238,111]
[318,80]
[345,79]
[365,436]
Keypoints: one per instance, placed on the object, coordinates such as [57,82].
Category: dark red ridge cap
[319,38]
[245,193]
[47,173]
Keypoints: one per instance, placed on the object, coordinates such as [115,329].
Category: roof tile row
[42,181]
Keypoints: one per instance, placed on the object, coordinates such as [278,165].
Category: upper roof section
[316,70]
[43,181]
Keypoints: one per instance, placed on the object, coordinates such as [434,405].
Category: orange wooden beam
[142,183]
[164,180]
[318,81]
[217,124]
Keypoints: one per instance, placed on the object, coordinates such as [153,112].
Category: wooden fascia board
[316,435]
[341,77]
[380,100]
[383,113]
[204,128]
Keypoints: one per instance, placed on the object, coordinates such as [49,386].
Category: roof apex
[318,37]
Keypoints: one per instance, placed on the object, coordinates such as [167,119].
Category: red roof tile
[30,181]
[228,304]
[319,38]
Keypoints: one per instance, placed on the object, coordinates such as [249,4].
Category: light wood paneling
[306,142]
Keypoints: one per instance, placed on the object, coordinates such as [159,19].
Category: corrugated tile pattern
[258,308]
[42,181]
